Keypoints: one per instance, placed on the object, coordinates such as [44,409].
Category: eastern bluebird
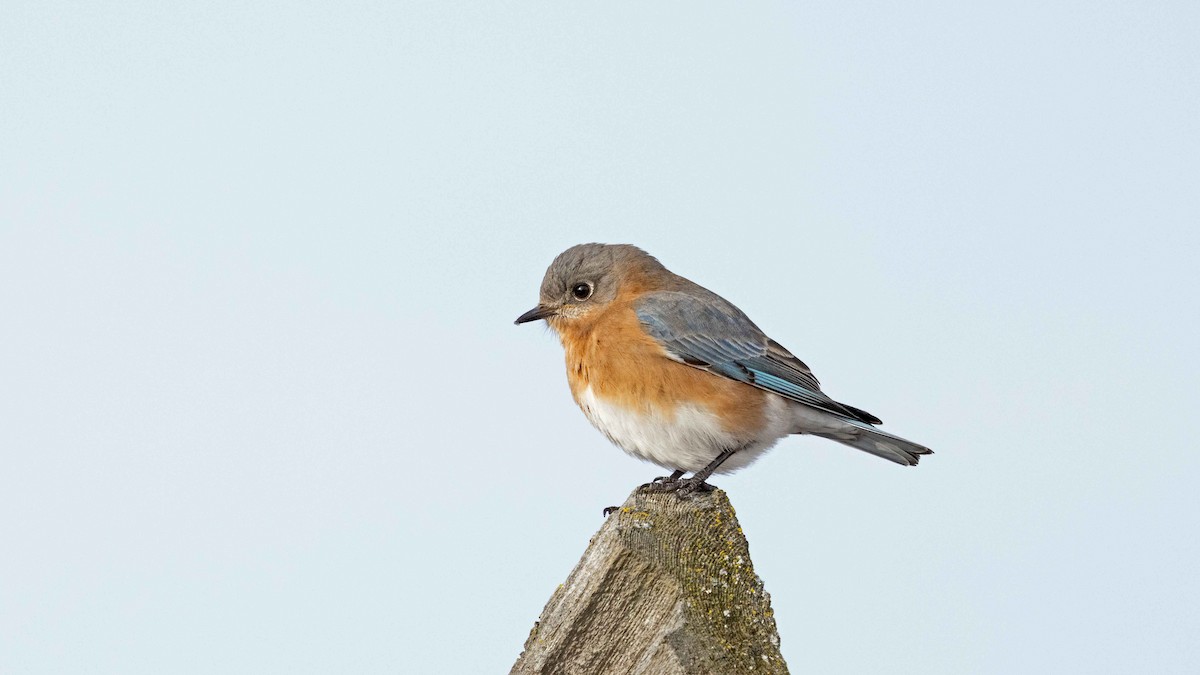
[675,374]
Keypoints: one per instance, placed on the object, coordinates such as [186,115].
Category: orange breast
[612,354]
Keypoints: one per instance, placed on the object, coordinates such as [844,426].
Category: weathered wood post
[665,588]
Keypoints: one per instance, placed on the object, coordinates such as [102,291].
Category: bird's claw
[680,486]
[664,483]
[660,484]
[690,485]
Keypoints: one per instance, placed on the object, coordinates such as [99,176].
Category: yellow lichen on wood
[666,586]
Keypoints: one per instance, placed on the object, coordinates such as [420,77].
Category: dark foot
[664,483]
[608,510]
[687,487]
[658,487]
[681,487]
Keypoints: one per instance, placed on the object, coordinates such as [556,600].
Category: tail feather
[879,443]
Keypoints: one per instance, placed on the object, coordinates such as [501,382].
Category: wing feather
[705,331]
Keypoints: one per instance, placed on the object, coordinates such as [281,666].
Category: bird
[675,374]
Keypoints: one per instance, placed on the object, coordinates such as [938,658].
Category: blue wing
[703,330]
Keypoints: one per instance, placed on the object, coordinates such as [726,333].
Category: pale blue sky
[264,409]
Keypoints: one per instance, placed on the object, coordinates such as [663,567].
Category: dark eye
[582,291]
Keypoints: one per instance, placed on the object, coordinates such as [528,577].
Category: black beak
[534,314]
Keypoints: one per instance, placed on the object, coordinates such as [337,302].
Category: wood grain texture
[665,587]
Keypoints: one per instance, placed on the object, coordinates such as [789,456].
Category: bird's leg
[696,482]
[664,483]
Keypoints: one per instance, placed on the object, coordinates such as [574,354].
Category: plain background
[263,408]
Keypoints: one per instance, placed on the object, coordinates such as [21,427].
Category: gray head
[587,277]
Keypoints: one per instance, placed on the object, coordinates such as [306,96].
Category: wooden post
[665,588]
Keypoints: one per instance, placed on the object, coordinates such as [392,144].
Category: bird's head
[585,279]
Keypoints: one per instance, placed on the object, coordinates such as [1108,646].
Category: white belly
[689,439]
